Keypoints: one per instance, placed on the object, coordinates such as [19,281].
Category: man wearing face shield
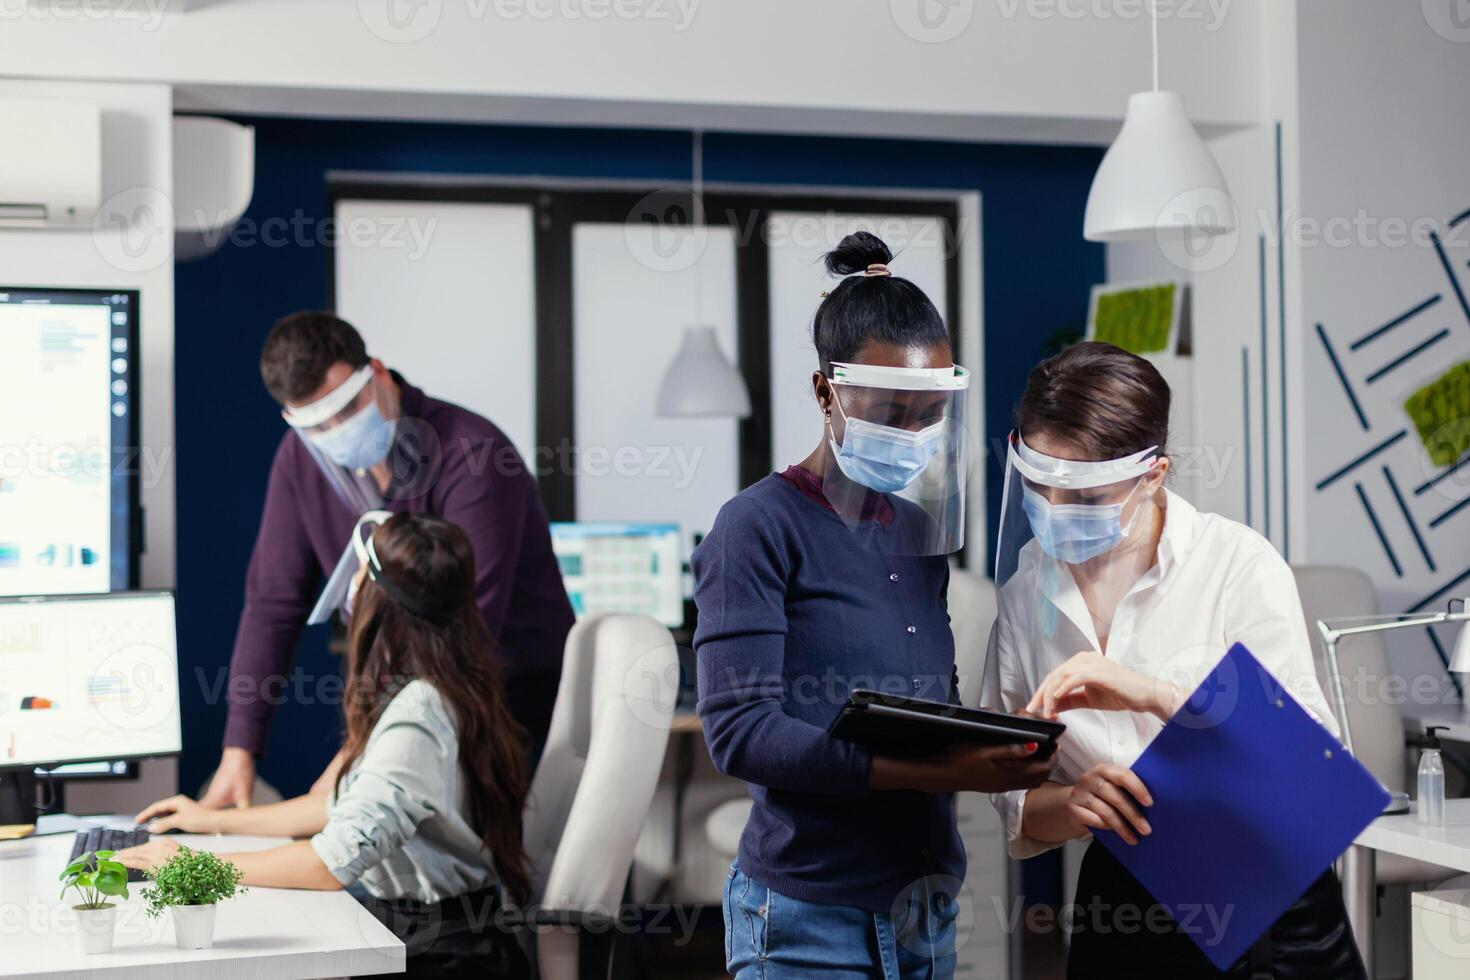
[1116,598]
[361,438]
[828,577]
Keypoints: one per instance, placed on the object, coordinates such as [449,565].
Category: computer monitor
[636,568]
[88,678]
[69,447]
[70,772]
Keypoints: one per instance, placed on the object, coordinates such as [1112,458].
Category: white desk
[1447,845]
[267,932]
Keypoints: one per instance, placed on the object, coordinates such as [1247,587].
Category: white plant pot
[95,928]
[193,926]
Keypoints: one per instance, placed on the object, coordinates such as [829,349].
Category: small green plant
[192,878]
[95,876]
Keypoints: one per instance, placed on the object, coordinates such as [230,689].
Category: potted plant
[95,877]
[191,883]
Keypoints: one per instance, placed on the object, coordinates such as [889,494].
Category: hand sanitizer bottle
[1430,806]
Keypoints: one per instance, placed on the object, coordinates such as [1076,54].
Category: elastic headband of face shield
[952,378]
[436,611]
[327,407]
[1072,474]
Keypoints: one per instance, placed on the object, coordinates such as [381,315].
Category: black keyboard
[108,839]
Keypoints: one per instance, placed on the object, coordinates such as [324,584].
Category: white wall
[632,301]
[1380,151]
[1366,157]
[1136,262]
[131,248]
[1024,70]
[445,292]
[1227,427]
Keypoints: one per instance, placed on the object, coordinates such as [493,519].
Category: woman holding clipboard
[829,577]
[1096,555]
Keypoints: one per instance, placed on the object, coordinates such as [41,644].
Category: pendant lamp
[700,381]
[1158,179]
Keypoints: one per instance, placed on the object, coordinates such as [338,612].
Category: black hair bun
[856,252]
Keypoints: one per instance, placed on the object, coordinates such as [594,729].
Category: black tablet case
[898,725]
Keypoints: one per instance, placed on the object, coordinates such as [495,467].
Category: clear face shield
[1075,535]
[897,438]
[342,584]
[347,434]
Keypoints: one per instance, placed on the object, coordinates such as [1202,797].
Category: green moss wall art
[1440,411]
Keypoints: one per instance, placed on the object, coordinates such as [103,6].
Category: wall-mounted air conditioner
[51,170]
[214,179]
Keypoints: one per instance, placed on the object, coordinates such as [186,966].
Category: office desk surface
[267,932]
[1447,845]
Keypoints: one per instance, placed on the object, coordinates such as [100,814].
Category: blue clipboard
[1253,800]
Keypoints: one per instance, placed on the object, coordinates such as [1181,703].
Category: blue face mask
[1073,533]
[359,442]
[884,458]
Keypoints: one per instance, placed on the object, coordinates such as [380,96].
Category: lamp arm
[1334,679]
[1349,627]
[1333,630]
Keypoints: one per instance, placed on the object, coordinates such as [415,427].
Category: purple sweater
[483,486]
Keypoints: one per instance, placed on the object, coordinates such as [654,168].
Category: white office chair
[725,825]
[1378,726]
[972,612]
[591,791]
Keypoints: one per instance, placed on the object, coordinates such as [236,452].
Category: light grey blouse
[400,826]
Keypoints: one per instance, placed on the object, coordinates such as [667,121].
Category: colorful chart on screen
[67,470]
[88,677]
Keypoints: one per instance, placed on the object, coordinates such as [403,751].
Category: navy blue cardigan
[795,611]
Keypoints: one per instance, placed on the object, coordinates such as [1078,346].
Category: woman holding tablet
[829,577]
[1116,598]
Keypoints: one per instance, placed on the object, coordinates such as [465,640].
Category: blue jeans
[769,936]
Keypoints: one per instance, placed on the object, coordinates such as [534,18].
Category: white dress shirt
[1216,583]
[400,827]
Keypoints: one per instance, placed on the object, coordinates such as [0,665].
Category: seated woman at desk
[1095,555]
[425,813]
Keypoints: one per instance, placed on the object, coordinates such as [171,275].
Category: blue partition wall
[1037,273]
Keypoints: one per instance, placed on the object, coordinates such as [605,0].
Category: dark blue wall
[1037,274]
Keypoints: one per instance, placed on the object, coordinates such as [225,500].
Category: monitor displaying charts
[90,677]
[69,460]
[637,568]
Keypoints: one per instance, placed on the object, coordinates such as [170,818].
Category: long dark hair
[863,308]
[431,562]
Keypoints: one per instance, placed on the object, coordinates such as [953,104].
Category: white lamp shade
[1158,179]
[1460,657]
[701,381]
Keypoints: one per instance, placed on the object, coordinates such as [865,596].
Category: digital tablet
[898,725]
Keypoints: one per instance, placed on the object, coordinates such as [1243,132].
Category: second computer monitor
[636,568]
[69,508]
[88,678]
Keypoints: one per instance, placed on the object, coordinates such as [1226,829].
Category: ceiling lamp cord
[1153,14]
